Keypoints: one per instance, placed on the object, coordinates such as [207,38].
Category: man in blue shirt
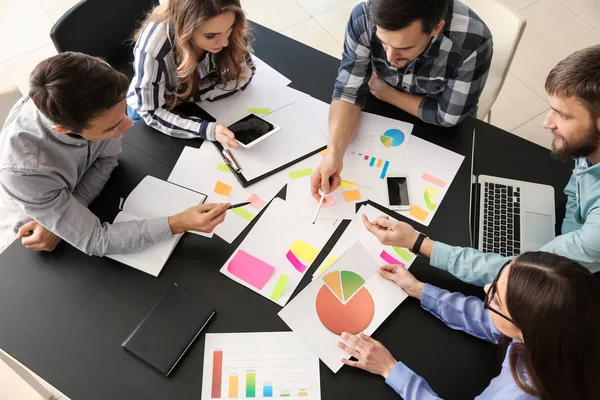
[573,88]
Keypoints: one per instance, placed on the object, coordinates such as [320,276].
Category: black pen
[239,205]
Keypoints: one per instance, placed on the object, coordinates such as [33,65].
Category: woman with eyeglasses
[544,306]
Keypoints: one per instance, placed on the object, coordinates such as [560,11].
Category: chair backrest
[8,98]
[507,27]
[101,28]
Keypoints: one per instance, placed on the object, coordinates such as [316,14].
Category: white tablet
[252,129]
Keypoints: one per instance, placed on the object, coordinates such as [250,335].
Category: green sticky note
[403,253]
[243,213]
[263,110]
[223,167]
[302,173]
[279,287]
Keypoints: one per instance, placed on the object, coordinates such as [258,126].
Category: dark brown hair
[184,16]
[555,302]
[395,15]
[71,89]
[578,75]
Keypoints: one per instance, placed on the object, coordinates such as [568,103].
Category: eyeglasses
[492,292]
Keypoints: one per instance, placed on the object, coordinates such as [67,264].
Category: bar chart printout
[259,366]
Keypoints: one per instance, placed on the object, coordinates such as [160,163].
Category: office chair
[102,28]
[507,27]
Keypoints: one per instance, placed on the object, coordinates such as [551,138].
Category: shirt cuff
[440,255]
[399,377]
[210,131]
[159,229]
[430,296]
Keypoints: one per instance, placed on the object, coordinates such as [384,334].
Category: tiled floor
[555,29]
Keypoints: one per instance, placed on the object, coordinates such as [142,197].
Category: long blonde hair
[184,16]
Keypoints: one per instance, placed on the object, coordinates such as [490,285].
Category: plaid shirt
[450,73]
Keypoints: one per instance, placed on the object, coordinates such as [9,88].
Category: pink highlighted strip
[434,180]
[389,259]
[295,262]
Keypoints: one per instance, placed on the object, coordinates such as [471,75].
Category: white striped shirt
[155,67]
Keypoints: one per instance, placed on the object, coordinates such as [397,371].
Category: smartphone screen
[398,191]
[250,128]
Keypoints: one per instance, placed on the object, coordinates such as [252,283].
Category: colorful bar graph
[234,382]
[302,394]
[268,390]
[250,384]
[217,374]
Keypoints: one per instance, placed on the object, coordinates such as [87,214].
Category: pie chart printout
[392,138]
[344,304]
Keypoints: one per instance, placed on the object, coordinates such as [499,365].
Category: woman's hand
[392,233]
[371,355]
[401,277]
[225,137]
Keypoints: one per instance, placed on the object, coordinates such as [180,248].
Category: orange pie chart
[344,304]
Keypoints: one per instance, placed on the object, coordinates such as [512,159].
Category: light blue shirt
[466,314]
[580,239]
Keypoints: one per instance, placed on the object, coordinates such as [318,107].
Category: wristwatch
[417,246]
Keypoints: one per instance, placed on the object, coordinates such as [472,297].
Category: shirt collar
[61,137]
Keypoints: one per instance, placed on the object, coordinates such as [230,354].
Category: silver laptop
[510,216]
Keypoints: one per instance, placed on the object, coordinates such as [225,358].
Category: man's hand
[35,236]
[379,88]
[326,177]
[225,136]
[372,356]
[201,218]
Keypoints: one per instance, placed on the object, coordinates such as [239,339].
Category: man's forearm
[343,122]
[406,101]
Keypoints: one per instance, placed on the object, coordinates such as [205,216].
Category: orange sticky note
[352,195]
[418,213]
[222,188]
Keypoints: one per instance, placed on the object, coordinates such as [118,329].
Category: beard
[581,147]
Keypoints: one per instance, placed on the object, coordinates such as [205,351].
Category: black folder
[169,329]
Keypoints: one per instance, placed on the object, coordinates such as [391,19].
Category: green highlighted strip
[405,254]
[279,287]
[262,110]
[243,213]
[428,201]
[302,173]
[223,167]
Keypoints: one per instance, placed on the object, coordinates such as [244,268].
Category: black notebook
[169,329]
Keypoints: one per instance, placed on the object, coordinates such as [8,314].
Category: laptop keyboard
[502,219]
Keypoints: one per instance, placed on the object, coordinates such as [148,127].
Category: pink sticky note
[295,262]
[329,201]
[250,269]
[256,201]
[433,179]
[389,259]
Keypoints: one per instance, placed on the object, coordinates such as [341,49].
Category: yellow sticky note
[304,252]
[346,185]
[352,195]
[327,264]
[418,213]
[222,188]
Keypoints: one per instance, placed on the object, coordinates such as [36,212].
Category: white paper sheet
[430,170]
[259,365]
[317,312]
[378,147]
[266,75]
[298,137]
[276,240]
[356,231]
[201,170]
[231,109]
